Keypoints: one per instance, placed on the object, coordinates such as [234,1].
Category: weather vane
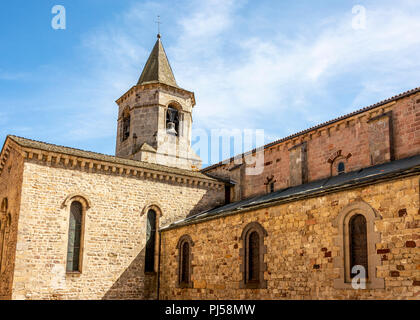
[158,23]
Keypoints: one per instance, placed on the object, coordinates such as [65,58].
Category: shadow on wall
[134,284]
[208,201]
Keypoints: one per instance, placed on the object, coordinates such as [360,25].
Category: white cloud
[267,80]
[281,84]
[272,78]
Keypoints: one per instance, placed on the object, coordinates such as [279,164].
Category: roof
[337,183]
[378,104]
[27,143]
[157,68]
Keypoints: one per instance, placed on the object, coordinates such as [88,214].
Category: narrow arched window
[5,222]
[6,232]
[358,243]
[254,257]
[4,205]
[1,242]
[357,240]
[184,247]
[126,127]
[75,238]
[185,265]
[341,168]
[252,253]
[149,265]
[172,121]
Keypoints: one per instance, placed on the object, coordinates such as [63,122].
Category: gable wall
[114,236]
[10,188]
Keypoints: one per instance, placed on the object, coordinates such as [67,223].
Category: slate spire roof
[157,68]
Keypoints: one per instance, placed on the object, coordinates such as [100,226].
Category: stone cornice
[5,152]
[150,105]
[97,166]
[4,156]
[135,88]
[414,171]
[62,160]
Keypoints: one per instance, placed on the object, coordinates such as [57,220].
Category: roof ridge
[356,178]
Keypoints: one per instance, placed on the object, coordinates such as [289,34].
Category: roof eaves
[254,204]
[33,144]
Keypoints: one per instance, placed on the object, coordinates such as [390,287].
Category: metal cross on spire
[158,23]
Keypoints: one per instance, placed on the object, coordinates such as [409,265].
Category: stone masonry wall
[147,106]
[10,188]
[114,231]
[301,248]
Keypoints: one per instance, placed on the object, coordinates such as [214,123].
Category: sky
[280,66]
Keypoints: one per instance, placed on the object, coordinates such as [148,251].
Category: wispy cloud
[246,71]
[286,84]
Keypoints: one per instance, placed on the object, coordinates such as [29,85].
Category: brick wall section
[381,139]
[355,137]
[10,188]
[298,165]
[301,248]
[114,236]
[406,117]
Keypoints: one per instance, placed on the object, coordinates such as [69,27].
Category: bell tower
[155,117]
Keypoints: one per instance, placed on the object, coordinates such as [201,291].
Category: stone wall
[144,121]
[10,189]
[302,248]
[114,231]
[147,106]
[375,136]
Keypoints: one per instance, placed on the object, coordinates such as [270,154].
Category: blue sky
[281,66]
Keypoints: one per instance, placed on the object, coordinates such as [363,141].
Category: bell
[171,129]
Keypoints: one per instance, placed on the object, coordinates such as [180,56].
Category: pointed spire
[157,68]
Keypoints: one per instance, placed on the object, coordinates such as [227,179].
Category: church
[333,213]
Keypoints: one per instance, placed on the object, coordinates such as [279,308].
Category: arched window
[149,264]
[228,192]
[4,205]
[172,121]
[358,243]
[5,222]
[75,237]
[184,247]
[126,126]
[185,265]
[341,167]
[339,162]
[254,257]
[1,242]
[270,184]
[6,232]
[252,253]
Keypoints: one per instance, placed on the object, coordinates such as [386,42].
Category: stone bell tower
[155,117]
